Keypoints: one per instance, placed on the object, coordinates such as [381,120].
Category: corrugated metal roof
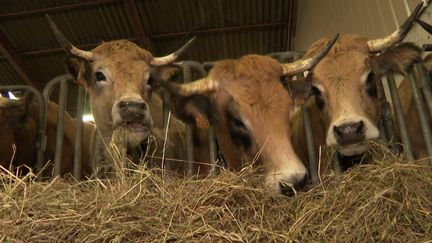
[167,23]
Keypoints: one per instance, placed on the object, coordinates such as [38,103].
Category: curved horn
[395,37]
[66,44]
[425,26]
[306,64]
[160,61]
[200,86]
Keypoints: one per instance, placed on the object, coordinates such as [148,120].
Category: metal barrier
[187,68]
[62,82]
[40,136]
[421,90]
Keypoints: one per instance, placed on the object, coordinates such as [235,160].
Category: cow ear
[300,89]
[397,59]
[195,109]
[79,68]
[164,73]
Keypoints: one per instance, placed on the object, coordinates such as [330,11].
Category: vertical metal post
[187,77]
[399,116]
[426,87]
[166,108]
[79,134]
[426,131]
[60,128]
[386,121]
[212,148]
[313,167]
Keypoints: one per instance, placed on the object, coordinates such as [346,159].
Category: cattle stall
[419,84]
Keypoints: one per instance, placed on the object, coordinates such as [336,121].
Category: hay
[386,201]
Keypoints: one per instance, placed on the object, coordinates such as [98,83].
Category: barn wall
[372,18]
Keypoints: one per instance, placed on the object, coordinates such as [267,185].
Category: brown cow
[345,108]
[251,114]
[118,75]
[18,126]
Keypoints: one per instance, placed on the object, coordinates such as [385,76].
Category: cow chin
[136,138]
[353,149]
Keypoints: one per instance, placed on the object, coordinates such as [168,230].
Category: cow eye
[370,85]
[239,133]
[319,99]
[100,76]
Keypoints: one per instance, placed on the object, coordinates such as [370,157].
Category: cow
[344,105]
[18,127]
[118,76]
[250,110]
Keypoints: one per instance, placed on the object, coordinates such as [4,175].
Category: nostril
[143,106]
[286,189]
[123,104]
[337,130]
[360,127]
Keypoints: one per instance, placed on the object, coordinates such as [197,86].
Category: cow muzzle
[132,114]
[289,179]
[351,135]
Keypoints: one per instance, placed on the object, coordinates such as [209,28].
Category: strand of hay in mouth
[387,201]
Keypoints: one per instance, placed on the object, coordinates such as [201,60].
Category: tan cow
[18,126]
[118,76]
[251,114]
[345,107]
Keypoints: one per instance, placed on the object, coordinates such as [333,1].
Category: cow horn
[201,86]
[306,64]
[388,41]
[425,26]
[160,61]
[66,44]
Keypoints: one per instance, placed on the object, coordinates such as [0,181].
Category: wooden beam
[137,25]
[15,60]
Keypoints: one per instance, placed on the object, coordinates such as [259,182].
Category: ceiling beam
[9,52]
[290,23]
[137,25]
[266,26]
[271,25]
[55,8]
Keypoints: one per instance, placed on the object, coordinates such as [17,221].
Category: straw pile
[387,201]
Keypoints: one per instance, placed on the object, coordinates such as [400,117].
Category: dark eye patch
[370,85]
[319,99]
[238,131]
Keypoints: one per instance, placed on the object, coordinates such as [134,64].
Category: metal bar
[399,116]
[386,118]
[196,66]
[187,77]
[426,87]
[284,56]
[60,128]
[289,24]
[79,134]
[41,137]
[310,144]
[426,130]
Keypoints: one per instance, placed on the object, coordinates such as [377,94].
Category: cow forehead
[347,66]
[121,50]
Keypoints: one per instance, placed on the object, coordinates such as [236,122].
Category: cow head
[344,84]
[15,114]
[252,112]
[117,75]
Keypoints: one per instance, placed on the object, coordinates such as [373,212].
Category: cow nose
[289,189]
[350,133]
[132,104]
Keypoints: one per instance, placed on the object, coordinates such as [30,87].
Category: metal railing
[421,90]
